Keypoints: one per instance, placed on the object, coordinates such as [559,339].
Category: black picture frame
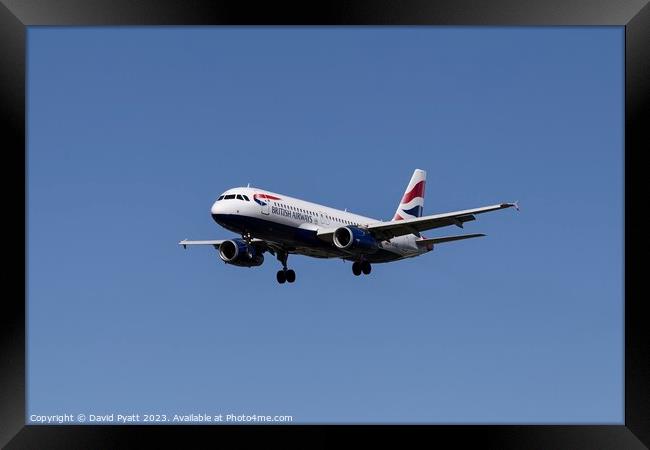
[16,15]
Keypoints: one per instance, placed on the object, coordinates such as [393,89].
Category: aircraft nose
[217,208]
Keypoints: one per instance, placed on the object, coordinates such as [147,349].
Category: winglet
[508,205]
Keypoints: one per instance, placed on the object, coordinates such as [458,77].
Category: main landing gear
[361,266]
[285,274]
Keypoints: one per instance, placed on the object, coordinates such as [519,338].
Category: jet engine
[354,239]
[237,252]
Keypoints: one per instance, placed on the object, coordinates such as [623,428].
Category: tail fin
[413,198]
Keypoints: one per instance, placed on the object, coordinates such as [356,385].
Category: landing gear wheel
[366,267]
[356,268]
[290,275]
[282,276]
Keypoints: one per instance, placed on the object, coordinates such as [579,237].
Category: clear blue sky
[134,132]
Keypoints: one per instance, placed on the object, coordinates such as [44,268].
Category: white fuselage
[295,223]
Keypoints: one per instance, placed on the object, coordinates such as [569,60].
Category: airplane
[283,225]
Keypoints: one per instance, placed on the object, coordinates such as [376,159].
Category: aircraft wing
[265,245]
[394,228]
[215,243]
[325,234]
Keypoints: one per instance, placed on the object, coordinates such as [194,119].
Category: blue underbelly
[291,236]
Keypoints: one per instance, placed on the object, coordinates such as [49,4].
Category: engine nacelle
[237,252]
[354,238]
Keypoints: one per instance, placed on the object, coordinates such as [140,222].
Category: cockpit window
[233,196]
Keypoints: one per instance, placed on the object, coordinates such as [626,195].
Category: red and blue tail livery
[412,202]
[283,225]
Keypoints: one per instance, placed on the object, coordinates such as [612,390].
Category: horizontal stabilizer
[441,240]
